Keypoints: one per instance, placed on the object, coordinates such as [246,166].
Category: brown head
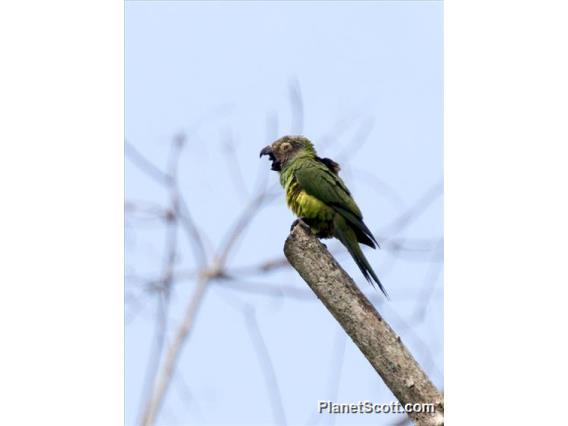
[287,147]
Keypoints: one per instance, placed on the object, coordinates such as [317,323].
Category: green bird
[317,195]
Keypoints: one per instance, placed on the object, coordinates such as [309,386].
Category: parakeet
[317,195]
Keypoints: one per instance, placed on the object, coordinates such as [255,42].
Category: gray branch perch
[374,337]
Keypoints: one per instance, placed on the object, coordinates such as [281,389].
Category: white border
[506,162]
[61,174]
[62,184]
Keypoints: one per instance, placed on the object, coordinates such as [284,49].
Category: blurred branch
[179,205]
[242,223]
[178,210]
[409,249]
[209,273]
[163,379]
[169,263]
[428,289]
[419,207]
[297,107]
[340,126]
[230,154]
[145,165]
[378,185]
[415,249]
[262,267]
[368,330]
[212,269]
[187,395]
[357,141]
[145,210]
[265,289]
[265,361]
[193,233]
[177,213]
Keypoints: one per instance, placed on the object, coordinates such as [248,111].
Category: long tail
[349,239]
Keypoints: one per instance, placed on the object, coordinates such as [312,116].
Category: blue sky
[217,70]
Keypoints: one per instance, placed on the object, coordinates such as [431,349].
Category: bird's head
[282,150]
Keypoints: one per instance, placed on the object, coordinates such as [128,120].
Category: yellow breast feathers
[304,204]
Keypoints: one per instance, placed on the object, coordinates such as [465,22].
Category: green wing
[320,182]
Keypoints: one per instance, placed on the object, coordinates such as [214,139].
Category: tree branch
[164,378]
[375,338]
[266,363]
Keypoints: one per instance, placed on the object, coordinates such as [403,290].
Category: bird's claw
[300,221]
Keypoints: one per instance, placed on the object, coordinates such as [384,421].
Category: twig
[428,288]
[146,165]
[382,188]
[214,270]
[266,364]
[241,224]
[193,233]
[168,273]
[297,107]
[422,250]
[236,175]
[381,346]
[419,207]
[269,289]
[163,379]
[357,141]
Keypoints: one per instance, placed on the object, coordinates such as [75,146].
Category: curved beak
[267,150]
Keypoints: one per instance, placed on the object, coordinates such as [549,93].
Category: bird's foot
[300,221]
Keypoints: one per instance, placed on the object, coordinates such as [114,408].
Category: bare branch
[230,154]
[297,107]
[192,231]
[357,141]
[263,267]
[410,249]
[381,187]
[215,270]
[271,126]
[168,272]
[145,165]
[241,224]
[145,210]
[425,296]
[340,126]
[381,346]
[164,378]
[419,207]
[267,366]
[265,289]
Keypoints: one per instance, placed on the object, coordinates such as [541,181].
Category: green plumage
[318,196]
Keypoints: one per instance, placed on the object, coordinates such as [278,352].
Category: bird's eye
[286,147]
